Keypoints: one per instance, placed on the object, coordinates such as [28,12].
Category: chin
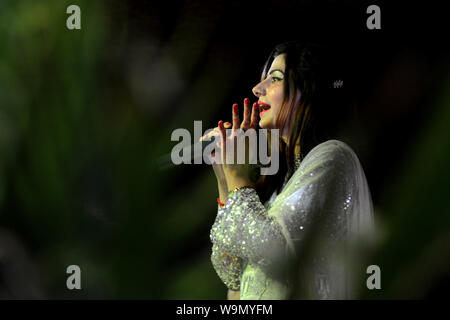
[262,124]
[266,123]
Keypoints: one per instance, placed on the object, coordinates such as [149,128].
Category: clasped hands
[229,171]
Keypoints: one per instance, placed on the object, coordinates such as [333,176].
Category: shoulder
[326,172]
[331,154]
[331,148]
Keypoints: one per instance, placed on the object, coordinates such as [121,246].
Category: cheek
[277,99]
[277,95]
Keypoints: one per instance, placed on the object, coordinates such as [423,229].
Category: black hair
[324,100]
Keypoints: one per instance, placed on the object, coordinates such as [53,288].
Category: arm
[229,269]
[245,229]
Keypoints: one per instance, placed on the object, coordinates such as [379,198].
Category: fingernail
[247,100]
[227,123]
[235,107]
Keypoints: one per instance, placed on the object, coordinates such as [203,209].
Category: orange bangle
[220,203]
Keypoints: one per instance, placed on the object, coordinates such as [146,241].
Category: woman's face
[271,93]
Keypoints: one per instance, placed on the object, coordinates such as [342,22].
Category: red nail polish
[247,100]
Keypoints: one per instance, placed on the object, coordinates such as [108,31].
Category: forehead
[278,62]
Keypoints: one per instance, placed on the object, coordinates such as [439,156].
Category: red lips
[263,106]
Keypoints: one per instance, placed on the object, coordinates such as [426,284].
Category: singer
[291,235]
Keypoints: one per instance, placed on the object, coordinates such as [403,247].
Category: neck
[285,136]
[297,150]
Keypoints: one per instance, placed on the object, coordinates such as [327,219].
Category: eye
[275,79]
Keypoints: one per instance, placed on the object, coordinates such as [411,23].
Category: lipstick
[263,107]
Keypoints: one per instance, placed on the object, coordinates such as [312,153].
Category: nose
[259,89]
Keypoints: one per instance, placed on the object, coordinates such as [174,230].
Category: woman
[290,235]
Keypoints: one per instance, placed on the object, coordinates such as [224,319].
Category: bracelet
[220,202]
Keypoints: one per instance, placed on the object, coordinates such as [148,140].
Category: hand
[238,175]
[217,167]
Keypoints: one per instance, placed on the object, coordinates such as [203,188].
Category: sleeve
[245,229]
[228,268]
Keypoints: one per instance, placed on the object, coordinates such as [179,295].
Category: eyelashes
[275,79]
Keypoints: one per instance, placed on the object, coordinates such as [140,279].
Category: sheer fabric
[304,237]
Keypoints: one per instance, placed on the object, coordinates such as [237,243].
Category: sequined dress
[325,201]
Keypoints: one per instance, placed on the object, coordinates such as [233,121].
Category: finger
[215,159]
[236,121]
[206,136]
[246,121]
[222,131]
[224,136]
[226,125]
[211,133]
[255,114]
[218,133]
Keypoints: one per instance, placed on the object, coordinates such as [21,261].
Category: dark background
[85,114]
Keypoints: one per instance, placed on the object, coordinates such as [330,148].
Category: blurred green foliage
[78,182]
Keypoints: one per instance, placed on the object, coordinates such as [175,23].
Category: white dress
[300,244]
